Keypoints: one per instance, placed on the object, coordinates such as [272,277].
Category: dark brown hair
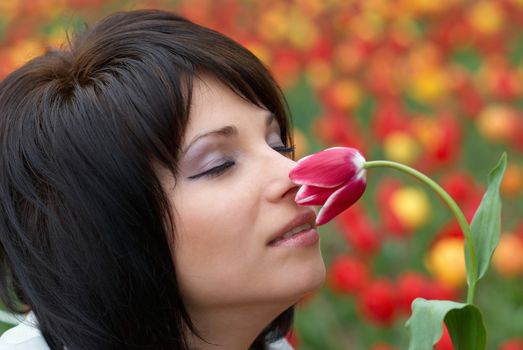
[83,218]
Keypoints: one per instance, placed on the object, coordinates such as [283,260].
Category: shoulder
[25,336]
[281,344]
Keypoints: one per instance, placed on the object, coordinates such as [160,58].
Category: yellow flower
[486,17]
[411,206]
[401,147]
[272,25]
[430,85]
[302,32]
[446,261]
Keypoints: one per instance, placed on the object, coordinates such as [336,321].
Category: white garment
[281,344]
[27,336]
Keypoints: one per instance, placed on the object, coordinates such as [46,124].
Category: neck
[230,329]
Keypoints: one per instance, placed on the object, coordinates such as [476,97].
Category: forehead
[214,105]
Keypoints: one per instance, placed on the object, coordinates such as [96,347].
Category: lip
[306,217]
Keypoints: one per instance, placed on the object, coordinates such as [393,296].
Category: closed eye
[285,149]
[217,170]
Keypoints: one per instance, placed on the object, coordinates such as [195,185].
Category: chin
[314,279]
[306,282]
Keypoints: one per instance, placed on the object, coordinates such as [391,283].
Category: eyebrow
[228,130]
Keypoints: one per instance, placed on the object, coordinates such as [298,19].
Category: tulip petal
[312,195]
[342,199]
[328,168]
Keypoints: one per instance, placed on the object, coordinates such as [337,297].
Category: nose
[278,185]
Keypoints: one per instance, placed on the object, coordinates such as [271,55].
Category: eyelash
[285,149]
[217,170]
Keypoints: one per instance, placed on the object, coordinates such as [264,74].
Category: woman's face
[231,199]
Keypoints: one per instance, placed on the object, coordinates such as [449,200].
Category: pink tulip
[334,178]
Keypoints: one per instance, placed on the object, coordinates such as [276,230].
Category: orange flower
[508,257]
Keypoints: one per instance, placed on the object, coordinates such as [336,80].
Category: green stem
[453,207]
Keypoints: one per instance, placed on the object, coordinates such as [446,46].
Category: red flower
[444,343]
[518,229]
[389,118]
[348,274]
[378,302]
[465,191]
[411,285]
[449,230]
[441,140]
[359,230]
[334,128]
[334,178]
[512,344]
[461,186]
[438,291]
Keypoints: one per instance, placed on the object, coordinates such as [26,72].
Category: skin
[232,282]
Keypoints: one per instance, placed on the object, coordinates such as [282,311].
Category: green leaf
[463,321]
[466,328]
[486,224]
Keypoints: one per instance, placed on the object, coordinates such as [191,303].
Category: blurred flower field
[437,85]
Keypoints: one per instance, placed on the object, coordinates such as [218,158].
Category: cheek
[213,240]
[208,218]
